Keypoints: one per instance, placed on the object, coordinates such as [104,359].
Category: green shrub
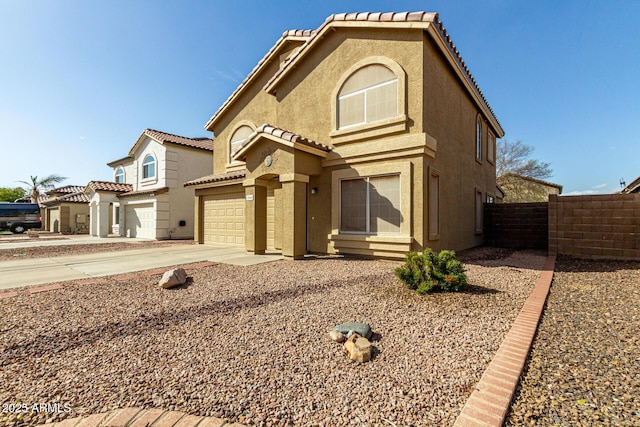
[431,272]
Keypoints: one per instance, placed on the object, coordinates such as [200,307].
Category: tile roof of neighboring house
[114,187]
[634,187]
[528,178]
[78,197]
[201,143]
[68,189]
[228,176]
[282,134]
[401,18]
[295,35]
[149,192]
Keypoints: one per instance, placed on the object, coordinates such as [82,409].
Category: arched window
[149,167]
[478,138]
[368,95]
[237,139]
[120,175]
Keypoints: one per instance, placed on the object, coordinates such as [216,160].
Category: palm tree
[36,185]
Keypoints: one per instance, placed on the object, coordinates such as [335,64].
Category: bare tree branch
[513,157]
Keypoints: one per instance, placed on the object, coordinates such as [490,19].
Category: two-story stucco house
[148,198]
[366,136]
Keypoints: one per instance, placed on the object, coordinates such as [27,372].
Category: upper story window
[238,138]
[120,175]
[491,148]
[478,138]
[368,95]
[149,167]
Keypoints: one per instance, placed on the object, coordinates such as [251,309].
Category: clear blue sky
[80,80]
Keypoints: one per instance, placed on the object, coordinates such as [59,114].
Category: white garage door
[224,219]
[139,221]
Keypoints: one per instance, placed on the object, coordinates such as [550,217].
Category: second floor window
[368,95]
[237,139]
[120,175]
[478,138]
[149,167]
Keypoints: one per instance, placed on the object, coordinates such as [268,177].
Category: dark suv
[19,217]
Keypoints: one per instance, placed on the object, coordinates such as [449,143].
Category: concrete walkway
[37,271]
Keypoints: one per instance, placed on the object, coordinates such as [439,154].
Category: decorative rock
[337,336]
[349,329]
[359,348]
[171,278]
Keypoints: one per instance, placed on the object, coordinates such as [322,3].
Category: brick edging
[489,403]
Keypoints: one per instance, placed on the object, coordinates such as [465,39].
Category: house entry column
[294,215]
[255,216]
[103,219]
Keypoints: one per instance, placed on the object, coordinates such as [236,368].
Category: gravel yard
[584,367]
[250,344]
[62,249]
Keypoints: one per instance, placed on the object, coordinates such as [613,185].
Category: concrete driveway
[37,271]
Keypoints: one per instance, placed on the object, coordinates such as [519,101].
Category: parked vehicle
[19,217]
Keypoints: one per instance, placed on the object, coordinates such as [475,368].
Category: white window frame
[366,92]
[146,164]
[368,207]
[119,172]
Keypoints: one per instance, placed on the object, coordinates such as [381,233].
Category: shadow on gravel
[567,264]
[70,339]
[480,290]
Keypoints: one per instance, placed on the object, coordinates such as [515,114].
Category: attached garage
[140,221]
[224,218]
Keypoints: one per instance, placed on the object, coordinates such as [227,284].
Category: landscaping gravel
[62,249]
[251,344]
[584,366]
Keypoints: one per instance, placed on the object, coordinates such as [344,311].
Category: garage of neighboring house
[54,220]
[140,220]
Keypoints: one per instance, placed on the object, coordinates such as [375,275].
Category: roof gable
[168,138]
[284,137]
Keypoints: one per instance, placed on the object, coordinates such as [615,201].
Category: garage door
[54,220]
[140,221]
[224,219]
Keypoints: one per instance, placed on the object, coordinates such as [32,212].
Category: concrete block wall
[599,226]
[516,225]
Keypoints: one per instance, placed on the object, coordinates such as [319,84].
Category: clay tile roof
[150,191]
[114,187]
[298,33]
[228,176]
[201,143]
[68,189]
[79,197]
[288,136]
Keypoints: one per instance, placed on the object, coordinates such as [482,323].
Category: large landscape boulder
[171,278]
[359,348]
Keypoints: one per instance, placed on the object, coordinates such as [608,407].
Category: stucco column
[294,215]
[103,219]
[255,221]
[93,219]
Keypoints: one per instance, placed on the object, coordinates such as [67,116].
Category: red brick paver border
[8,294]
[489,403]
[138,417]
[52,287]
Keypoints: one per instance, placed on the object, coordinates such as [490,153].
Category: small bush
[430,272]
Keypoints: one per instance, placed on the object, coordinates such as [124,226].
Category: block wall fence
[599,226]
[516,225]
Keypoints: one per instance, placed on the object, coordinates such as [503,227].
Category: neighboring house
[65,210]
[634,187]
[524,189]
[366,136]
[147,198]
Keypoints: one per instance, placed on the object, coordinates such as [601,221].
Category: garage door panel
[140,221]
[224,219]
